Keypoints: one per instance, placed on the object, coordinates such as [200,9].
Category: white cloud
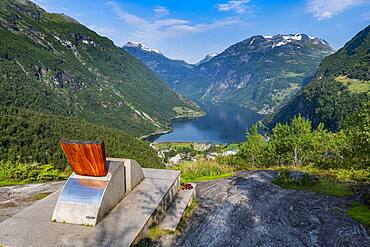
[239,6]
[104,31]
[366,16]
[170,22]
[204,26]
[161,11]
[147,30]
[325,9]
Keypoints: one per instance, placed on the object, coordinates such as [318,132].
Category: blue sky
[190,29]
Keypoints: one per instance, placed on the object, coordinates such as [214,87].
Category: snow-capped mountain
[327,99]
[259,73]
[207,58]
[280,40]
[135,44]
[169,70]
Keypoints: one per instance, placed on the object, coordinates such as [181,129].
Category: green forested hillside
[169,70]
[52,64]
[341,86]
[29,136]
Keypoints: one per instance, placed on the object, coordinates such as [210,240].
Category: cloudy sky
[190,29]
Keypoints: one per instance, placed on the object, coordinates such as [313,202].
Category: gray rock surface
[15,198]
[248,210]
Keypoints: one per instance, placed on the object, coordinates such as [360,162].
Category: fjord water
[223,123]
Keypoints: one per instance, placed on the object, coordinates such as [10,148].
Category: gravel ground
[248,210]
[15,198]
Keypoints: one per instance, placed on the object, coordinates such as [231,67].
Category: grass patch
[206,178]
[11,182]
[232,146]
[359,213]
[329,186]
[202,170]
[324,185]
[187,214]
[341,175]
[173,144]
[187,112]
[40,196]
[292,74]
[354,85]
[156,232]
[279,96]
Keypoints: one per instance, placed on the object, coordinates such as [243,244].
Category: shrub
[202,170]
[13,173]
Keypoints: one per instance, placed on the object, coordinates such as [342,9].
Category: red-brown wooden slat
[86,158]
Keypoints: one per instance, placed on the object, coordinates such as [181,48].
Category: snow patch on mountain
[207,58]
[280,44]
[141,46]
[293,37]
[284,39]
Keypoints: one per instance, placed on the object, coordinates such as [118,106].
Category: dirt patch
[15,198]
[248,210]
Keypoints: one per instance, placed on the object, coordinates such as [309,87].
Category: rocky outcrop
[248,210]
[15,198]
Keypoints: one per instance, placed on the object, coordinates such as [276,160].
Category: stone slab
[177,208]
[85,200]
[126,224]
[133,171]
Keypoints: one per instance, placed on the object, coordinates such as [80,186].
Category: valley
[270,134]
[260,73]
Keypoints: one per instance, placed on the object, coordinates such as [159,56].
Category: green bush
[11,173]
[296,144]
[202,170]
[324,185]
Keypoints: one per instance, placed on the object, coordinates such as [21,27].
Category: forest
[27,137]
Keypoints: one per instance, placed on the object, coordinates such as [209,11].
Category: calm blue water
[224,123]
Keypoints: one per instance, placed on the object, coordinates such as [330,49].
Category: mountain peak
[139,45]
[208,57]
[213,54]
[285,39]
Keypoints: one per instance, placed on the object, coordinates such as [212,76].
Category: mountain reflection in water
[224,123]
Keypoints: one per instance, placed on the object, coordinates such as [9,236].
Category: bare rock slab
[248,210]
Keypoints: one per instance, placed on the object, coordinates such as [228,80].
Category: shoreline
[176,118]
[145,137]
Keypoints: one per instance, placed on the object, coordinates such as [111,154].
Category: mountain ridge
[53,64]
[244,73]
[340,86]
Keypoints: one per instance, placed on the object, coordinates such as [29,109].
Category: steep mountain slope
[29,136]
[170,70]
[259,72]
[207,58]
[52,64]
[340,86]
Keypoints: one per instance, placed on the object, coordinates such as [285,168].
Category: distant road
[248,210]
